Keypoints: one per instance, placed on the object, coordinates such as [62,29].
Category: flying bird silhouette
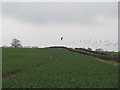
[61,38]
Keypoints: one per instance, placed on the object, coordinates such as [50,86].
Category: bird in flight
[61,38]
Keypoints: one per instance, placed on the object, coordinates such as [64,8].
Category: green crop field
[55,68]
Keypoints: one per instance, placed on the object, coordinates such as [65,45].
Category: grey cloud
[64,12]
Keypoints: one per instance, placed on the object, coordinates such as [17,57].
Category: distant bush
[102,53]
[90,49]
[34,47]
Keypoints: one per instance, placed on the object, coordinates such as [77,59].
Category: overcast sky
[87,24]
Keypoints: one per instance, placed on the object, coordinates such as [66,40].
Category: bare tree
[16,43]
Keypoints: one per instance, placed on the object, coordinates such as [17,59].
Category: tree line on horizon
[17,44]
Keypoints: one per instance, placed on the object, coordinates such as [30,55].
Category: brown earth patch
[107,61]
